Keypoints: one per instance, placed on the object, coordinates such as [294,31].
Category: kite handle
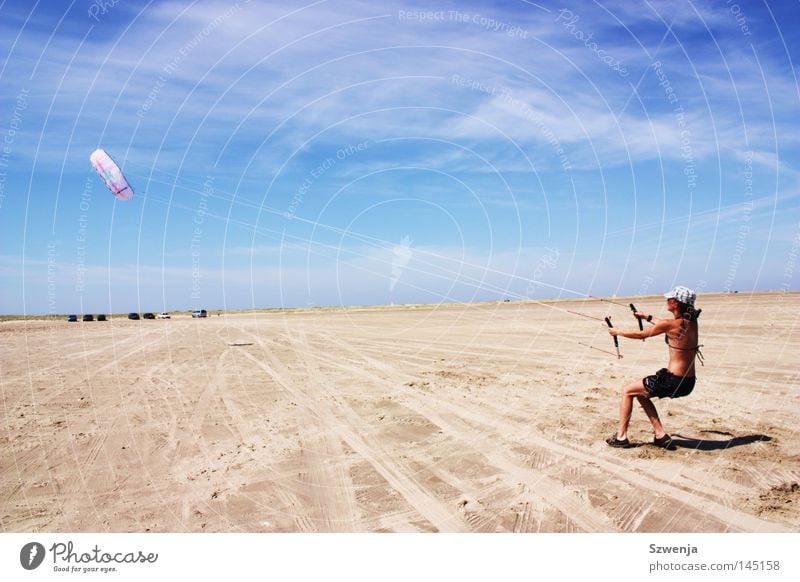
[639,319]
[616,339]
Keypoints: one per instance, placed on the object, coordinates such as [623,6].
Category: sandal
[664,442]
[618,444]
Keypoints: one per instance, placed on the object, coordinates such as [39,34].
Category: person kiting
[677,379]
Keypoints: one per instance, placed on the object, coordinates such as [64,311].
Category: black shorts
[663,384]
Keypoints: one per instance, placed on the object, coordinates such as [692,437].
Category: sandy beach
[461,418]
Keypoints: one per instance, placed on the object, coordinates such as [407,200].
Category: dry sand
[469,418]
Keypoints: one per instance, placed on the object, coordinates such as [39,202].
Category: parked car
[101,317]
[199,313]
[72,318]
[163,315]
[88,317]
[133,316]
[149,316]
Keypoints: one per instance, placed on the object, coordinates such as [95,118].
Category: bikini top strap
[696,349]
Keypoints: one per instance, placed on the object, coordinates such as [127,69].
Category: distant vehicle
[72,318]
[199,313]
[88,317]
[163,315]
[101,317]
[149,316]
[133,316]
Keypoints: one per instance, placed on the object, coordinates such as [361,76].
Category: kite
[109,171]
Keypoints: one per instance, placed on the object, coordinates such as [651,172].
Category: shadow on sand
[702,444]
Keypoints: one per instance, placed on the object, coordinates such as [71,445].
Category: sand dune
[477,418]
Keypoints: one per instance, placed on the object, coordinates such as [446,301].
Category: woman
[674,381]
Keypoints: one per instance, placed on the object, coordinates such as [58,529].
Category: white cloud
[259,95]
[229,61]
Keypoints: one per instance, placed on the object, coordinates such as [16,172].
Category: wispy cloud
[252,68]
[516,125]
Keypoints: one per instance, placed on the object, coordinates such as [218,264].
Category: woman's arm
[662,326]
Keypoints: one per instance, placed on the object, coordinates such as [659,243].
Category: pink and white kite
[109,171]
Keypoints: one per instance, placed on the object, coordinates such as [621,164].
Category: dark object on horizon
[101,317]
[72,318]
[149,316]
[88,317]
[133,316]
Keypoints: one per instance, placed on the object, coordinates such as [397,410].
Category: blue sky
[349,153]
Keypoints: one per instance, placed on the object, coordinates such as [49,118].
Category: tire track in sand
[472,420]
[632,475]
[324,485]
[341,422]
[542,487]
